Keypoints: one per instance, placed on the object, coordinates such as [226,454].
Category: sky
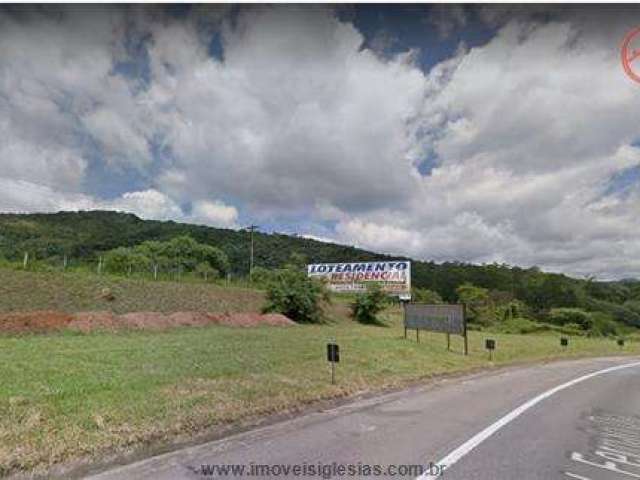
[477,133]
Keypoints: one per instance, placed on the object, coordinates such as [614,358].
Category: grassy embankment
[78,291]
[66,396]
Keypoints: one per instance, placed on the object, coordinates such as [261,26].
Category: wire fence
[173,272]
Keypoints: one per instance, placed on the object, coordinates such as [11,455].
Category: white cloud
[149,204]
[297,112]
[298,120]
[214,213]
[530,128]
[58,92]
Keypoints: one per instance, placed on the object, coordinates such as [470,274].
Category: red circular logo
[631,56]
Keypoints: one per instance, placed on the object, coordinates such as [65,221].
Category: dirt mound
[87,321]
[46,321]
[40,321]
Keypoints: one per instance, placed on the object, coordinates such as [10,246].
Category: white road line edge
[480,437]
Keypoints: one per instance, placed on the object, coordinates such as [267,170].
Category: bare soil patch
[47,321]
[17,322]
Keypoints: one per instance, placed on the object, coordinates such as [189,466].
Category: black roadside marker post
[564,341]
[621,342]
[333,356]
[490,345]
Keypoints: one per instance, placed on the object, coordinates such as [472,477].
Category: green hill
[83,236]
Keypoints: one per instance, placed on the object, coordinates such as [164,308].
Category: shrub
[617,312]
[521,325]
[262,276]
[293,294]
[563,316]
[368,305]
[603,325]
[571,329]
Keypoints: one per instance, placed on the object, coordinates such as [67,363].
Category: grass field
[70,396]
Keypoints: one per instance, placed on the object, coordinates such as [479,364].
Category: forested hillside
[84,236]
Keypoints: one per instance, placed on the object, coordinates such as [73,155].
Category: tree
[205,270]
[181,252]
[120,260]
[297,261]
[424,295]
[480,309]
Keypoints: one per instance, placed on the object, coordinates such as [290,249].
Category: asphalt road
[507,424]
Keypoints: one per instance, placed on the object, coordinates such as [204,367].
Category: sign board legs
[418,335]
[448,341]
[464,319]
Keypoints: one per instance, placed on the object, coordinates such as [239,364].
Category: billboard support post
[464,316]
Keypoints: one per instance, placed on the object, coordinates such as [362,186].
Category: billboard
[437,318]
[393,276]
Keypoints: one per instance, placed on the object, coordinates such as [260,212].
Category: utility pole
[251,229]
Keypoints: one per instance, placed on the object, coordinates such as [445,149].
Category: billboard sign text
[394,277]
